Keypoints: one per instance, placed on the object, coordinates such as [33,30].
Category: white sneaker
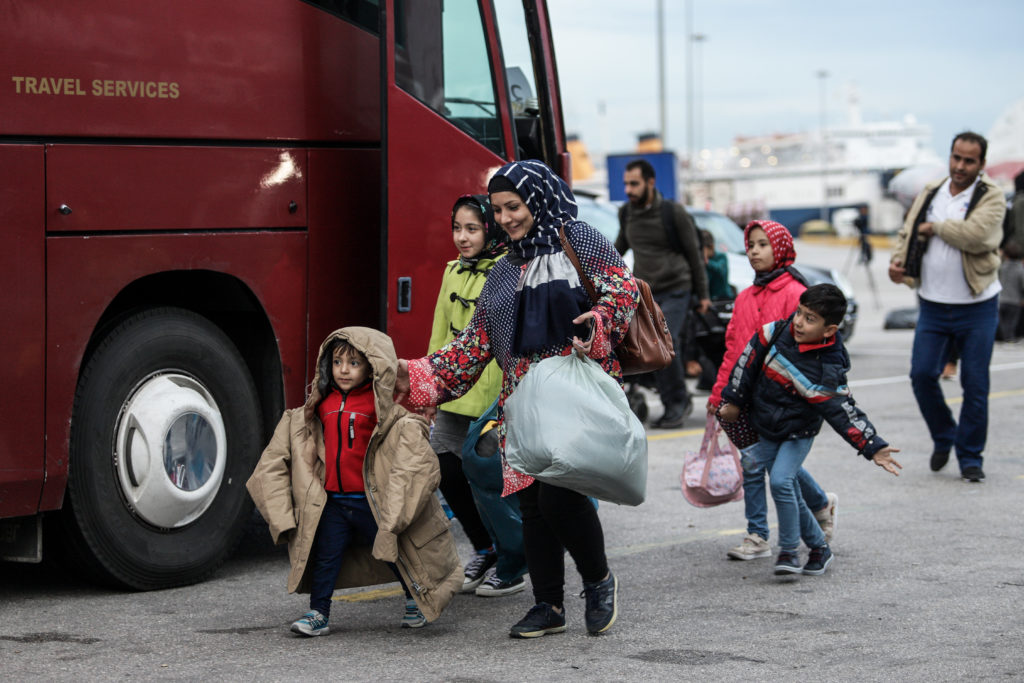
[752,548]
[827,516]
[477,568]
[493,587]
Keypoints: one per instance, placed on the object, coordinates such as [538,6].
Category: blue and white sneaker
[311,624]
[788,563]
[819,561]
[476,569]
[413,617]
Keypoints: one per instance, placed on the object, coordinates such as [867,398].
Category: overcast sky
[952,65]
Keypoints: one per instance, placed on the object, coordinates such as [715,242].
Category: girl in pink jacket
[773,296]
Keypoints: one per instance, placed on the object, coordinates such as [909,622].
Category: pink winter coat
[755,306]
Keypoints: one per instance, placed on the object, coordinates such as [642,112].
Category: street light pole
[689,87]
[661,74]
[822,74]
[698,40]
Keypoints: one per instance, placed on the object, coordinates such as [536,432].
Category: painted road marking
[953,400]
[906,378]
[375,594]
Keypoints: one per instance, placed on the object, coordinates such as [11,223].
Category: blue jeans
[754,498]
[671,381]
[971,330]
[783,460]
[500,516]
[345,520]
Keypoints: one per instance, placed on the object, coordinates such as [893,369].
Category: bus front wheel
[165,431]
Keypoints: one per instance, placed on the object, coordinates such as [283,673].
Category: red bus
[192,195]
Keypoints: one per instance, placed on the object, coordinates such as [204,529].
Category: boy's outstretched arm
[884,459]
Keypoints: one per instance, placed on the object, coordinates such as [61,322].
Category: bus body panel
[191,69]
[344,243]
[128,188]
[22,309]
[81,282]
[244,160]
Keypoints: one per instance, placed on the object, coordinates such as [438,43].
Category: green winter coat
[451,315]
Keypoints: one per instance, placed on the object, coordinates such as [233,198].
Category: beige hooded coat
[400,473]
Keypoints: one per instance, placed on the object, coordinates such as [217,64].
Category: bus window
[441,59]
[523,93]
[364,13]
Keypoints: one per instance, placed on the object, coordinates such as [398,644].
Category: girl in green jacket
[480,243]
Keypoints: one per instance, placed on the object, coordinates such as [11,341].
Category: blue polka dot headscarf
[550,201]
[549,295]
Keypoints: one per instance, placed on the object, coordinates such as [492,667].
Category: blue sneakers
[788,563]
[413,617]
[311,624]
[819,561]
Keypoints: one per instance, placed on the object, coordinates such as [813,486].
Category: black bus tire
[116,543]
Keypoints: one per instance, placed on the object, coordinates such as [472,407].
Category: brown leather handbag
[647,345]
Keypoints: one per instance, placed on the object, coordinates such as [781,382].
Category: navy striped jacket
[791,388]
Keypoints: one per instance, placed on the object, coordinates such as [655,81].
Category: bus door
[448,124]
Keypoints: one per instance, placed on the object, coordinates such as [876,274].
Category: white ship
[801,179]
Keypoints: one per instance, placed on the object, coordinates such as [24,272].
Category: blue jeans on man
[756,463]
[971,330]
[783,461]
[346,519]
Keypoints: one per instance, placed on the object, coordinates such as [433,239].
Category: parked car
[604,217]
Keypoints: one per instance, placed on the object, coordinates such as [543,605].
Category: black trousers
[556,520]
[456,491]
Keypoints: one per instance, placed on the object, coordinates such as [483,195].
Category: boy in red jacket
[348,481]
[348,417]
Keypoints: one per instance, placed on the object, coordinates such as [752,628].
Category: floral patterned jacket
[452,370]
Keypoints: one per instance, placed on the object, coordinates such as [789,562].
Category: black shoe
[602,604]
[476,569]
[819,561]
[541,620]
[674,415]
[939,460]
[788,563]
[973,473]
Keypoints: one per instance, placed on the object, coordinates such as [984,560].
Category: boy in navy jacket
[789,387]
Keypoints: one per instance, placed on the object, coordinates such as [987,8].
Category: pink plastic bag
[713,475]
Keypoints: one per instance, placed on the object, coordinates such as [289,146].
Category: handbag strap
[571,253]
[710,432]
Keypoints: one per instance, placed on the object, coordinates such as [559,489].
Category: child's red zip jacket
[348,419]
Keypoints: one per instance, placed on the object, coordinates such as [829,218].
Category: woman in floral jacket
[534,306]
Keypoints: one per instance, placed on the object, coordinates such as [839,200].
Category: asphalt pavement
[927,584]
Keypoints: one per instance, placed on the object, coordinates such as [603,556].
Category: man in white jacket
[949,249]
